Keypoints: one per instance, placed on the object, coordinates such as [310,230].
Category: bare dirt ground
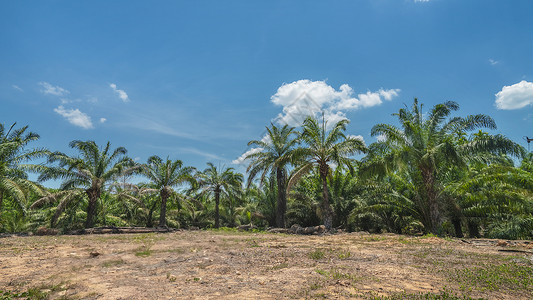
[235,265]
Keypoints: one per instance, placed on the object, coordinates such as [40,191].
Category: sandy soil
[234,265]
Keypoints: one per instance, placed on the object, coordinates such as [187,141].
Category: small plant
[143,253]
[322,272]
[317,254]
[343,254]
[112,263]
[171,277]
[280,266]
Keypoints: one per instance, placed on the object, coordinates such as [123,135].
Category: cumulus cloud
[52,90]
[16,87]
[515,96]
[121,93]
[75,117]
[303,98]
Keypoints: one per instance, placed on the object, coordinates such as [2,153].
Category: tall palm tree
[272,159]
[219,182]
[423,146]
[14,181]
[165,175]
[85,175]
[323,147]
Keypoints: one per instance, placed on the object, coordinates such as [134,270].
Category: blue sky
[196,80]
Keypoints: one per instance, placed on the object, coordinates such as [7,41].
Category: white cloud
[75,117]
[421,0]
[357,137]
[121,93]
[201,153]
[493,62]
[52,90]
[102,120]
[515,96]
[242,158]
[16,87]
[303,98]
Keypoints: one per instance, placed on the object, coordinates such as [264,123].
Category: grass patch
[317,254]
[280,266]
[322,253]
[336,274]
[509,276]
[143,253]
[36,293]
[113,263]
[444,294]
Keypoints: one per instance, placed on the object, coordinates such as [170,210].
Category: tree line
[432,172]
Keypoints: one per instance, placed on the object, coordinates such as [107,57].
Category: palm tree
[322,148]
[219,182]
[426,146]
[164,176]
[14,181]
[273,158]
[85,175]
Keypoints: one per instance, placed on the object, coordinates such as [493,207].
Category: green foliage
[432,173]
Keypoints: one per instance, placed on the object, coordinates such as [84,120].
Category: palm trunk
[150,221]
[327,211]
[432,201]
[457,226]
[282,199]
[93,194]
[217,211]
[473,229]
[1,202]
[163,215]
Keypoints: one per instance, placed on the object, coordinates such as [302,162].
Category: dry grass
[234,265]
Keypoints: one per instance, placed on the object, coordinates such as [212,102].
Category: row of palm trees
[433,172]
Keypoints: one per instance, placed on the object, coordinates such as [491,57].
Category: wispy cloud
[16,87]
[421,0]
[515,96]
[241,159]
[103,120]
[303,98]
[493,62]
[49,89]
[141,122]
[121,93]
[201,153]
[75,117]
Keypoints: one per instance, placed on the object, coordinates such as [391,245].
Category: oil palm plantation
[321,148]
[14,181]
[273,158]
[84,176]
[219,182]
[425,145]
[165,175]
